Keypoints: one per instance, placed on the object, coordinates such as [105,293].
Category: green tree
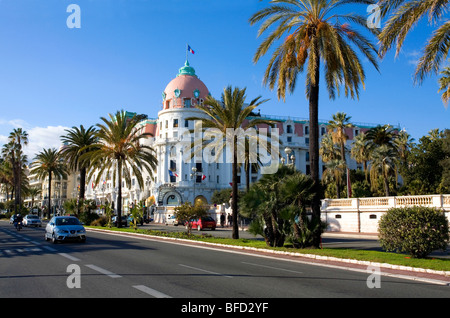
[120,149]
[315,35]
[444,85]
[33,193]
[298,190]
[231,115]
[360,151]
[263,203]
[335,172]
[336,127]
[384,164]
[187,211]
[404,15]
[425,171]
[48,163]
[12,151]
[77,142]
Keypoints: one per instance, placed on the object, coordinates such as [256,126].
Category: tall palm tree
[405,14]
[13,150]
[360,151]
[315,34]
[119,148]
[336,127]
[384,163]
[381,135]
[33,193]
[444,85]
[48,163]
[231,114]
[76,143]
[335,171]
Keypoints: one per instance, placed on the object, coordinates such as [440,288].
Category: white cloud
[43,138]
[38,137]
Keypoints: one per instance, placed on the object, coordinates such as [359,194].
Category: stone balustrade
[362,214]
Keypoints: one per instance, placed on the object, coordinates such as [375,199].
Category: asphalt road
[111,266]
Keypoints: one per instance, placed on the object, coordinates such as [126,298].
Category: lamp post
[194,176]
[288,151]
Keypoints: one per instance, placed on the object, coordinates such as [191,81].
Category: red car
[206,222]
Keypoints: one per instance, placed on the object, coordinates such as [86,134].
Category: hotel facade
[178,178]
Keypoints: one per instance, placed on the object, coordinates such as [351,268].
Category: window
[175,123]
[306,130]
[322,131]
[307,156]
[167,124]
[289,139]
[289,129]
[186,123]
[307,141]
[187,102]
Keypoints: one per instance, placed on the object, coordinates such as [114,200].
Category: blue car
[65,228]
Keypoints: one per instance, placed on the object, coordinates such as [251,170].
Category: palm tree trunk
[49,206]
[314,149]
[119,194]
[82,181]
[247,174]
[234,203]
[16,174]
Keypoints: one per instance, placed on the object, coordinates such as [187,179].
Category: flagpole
[186,52]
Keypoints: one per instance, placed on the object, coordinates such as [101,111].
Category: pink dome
[185,90]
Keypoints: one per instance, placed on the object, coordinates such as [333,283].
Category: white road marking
[103,271]
[72,258]
[151,291]
[276,268]
[203,270]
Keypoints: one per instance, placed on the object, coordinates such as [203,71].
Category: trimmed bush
[416,230]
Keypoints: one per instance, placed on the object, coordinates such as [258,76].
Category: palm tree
[314,34]
[444,85]
[231,114]
[328,149]
[297,190]
[119,148]
[360,151]
[336,127]
[384,163]
[48,163]
[381,135]
[33,193]
[76,143]
[335,171]
[13,151]
[405,15]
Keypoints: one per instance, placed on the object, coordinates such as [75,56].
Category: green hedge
[416,230]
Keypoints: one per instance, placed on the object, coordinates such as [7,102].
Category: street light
[194,176]
[288,151]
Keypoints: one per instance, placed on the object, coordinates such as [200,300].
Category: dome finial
[187,70]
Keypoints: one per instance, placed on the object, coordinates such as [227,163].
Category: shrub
[416,230]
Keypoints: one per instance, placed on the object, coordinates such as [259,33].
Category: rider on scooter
[18,220]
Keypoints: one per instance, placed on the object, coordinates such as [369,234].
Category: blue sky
[127,51]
